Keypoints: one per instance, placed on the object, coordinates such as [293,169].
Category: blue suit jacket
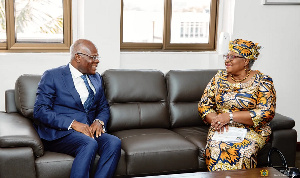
[58,104]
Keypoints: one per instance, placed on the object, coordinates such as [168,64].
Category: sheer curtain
[225,26]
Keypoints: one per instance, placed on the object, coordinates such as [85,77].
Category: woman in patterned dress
[238,97]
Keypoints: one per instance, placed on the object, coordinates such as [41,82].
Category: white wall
[102,26]
[275,27]
[14,65]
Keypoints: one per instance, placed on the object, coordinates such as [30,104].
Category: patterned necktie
[89,101]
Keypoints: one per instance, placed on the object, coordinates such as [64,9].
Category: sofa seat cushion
[197,136]
[150,151]
[54,165]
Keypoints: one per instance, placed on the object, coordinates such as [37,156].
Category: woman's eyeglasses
[93,57]
[231,57]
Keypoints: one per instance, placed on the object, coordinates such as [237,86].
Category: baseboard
[298,146]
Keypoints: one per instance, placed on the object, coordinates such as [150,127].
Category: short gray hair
[75,47]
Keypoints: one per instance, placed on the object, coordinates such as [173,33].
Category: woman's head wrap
[247,49]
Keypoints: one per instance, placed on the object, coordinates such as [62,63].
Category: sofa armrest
[284,138]
[18,131]
[17,162]
[286,142]
[281,122]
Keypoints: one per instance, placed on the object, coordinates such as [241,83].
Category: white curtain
[225,26]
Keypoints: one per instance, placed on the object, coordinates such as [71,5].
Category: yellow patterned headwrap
[247,49]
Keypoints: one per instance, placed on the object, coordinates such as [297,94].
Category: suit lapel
[68,80]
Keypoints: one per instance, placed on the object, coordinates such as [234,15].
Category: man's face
[88,60]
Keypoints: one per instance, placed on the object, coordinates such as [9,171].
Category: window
[168,24]
[35,26]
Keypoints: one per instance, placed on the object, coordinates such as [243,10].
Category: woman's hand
[220,122]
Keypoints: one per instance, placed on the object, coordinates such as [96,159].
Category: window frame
[12,46]
[166,45]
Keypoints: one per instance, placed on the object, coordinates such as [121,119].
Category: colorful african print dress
[256,96]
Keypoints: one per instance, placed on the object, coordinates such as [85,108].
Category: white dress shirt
[79,84]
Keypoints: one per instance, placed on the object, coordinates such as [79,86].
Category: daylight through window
[168,24]
[40,25]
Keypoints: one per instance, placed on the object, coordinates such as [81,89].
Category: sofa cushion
[198,136]
[54,165]
[123,86]
[185,89]
[25,93]
[137,99]
[150,151]
[138,115]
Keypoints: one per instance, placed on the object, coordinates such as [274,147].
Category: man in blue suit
[72,113]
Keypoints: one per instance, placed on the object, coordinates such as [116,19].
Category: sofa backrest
[25,93]
[185,89]
[137,99]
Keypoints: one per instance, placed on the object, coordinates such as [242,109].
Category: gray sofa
[154,114]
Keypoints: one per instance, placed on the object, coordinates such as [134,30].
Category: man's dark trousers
[84,149]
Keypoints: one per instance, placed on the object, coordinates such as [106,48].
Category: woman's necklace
[231,76]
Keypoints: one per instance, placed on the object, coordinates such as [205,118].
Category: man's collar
[75,73]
